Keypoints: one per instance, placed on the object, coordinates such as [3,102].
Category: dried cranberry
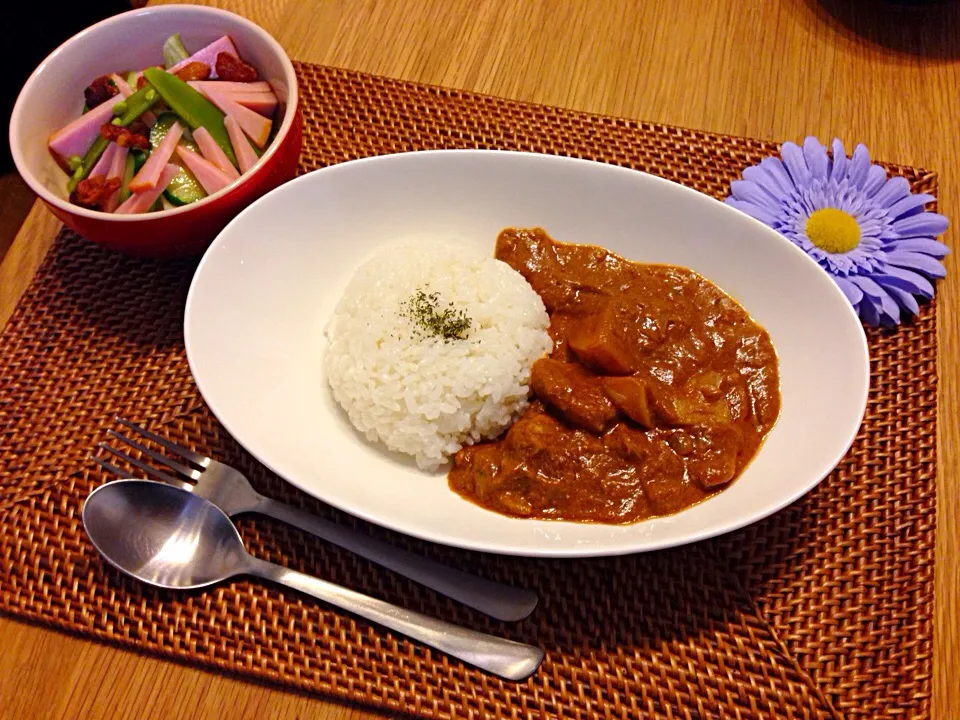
[99,91]
[92,193]
[233,69]
[124,137]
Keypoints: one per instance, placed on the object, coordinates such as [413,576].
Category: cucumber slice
[161,127]
[184,187]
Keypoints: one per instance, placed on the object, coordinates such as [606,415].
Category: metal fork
[233,493]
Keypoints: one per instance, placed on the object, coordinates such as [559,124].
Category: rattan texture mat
[823,610]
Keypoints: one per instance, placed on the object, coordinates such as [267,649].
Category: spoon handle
[506,658]
[495,599]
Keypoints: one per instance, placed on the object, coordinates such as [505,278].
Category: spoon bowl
[169,537]
[162,535]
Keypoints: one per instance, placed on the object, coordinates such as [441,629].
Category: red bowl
[53,96]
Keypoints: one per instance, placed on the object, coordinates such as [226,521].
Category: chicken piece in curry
[658,393]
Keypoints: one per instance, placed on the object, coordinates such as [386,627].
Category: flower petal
[816,156]
[753,192]
[839,169]
[892,192]
[778,175]
[904,298]
[761,179]
[916,261]
[868,311]
[869,287]
[840,262]
[904,279]
[890,308]
[908,203]
[795,163]
[753,210]
[870,228]
[876,177]
[926,246]
[853,293]
[859,167]
[928,223]
[875,295]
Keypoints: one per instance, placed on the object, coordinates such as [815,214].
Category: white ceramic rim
[293,99]
[569,552]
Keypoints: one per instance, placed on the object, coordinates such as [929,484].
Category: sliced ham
[208,55]
[263,103]
[210,177]
[214,153]
[149,174]
[256,127]
[119,161]
[143,201]
[241,146]
[122,85]
[258,86]
[116,171]
[102,168]
[77,137]
[260,103]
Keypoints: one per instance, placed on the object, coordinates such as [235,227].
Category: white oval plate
[265,288]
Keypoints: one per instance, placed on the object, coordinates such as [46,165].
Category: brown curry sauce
[658,393]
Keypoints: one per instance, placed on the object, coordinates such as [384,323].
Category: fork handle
[506,658]
[495,599]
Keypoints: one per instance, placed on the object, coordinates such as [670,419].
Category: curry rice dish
[566,382]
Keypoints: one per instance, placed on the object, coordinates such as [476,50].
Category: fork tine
[172,464]
[201,460]
[152,471]
[113,469]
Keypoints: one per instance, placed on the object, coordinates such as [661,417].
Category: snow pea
[192,107]
[138,103]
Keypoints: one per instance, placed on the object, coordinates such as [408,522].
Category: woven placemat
[823,610]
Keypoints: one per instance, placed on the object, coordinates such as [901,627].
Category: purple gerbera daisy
[870,233]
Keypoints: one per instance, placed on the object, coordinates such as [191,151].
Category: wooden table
[886,76]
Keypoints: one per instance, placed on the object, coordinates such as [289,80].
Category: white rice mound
[416,393]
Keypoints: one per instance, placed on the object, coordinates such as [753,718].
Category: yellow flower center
[833,231]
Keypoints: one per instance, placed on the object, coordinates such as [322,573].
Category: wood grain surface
[860,70]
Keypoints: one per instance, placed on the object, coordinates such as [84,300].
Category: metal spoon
[174,539]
